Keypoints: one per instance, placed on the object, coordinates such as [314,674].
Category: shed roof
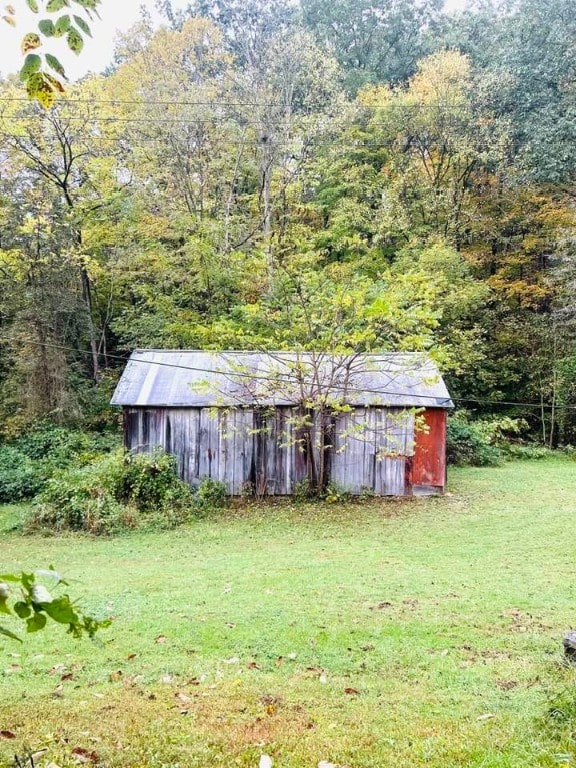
[188,378]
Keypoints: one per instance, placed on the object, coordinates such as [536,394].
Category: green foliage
[115,493]
[525,451]
[28,461]
[302,491]
[26,597]
[41,85]
[373,41]
[468,444]
[211,494]
[19,475]
[488,441]
[59,445]
[336,494]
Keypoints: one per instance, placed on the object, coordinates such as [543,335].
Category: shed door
[429,462]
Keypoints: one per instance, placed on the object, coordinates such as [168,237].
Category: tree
[374,41]
[525,47]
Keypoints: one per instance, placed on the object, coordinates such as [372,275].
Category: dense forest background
[343,174]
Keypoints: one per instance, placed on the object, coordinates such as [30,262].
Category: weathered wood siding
[371,449]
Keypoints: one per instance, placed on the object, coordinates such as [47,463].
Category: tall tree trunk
[266,174]
[86,296]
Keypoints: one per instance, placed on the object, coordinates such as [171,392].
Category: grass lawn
[417,633]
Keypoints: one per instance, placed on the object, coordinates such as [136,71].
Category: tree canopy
[360,176]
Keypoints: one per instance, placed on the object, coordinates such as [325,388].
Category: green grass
[445,615]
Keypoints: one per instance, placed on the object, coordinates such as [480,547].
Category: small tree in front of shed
[320,326]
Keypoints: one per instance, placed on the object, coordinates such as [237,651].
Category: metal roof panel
[189,378]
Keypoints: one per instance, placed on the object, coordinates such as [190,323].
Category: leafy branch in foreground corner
[43,76]
[24,597]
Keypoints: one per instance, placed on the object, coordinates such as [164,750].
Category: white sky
[97,53]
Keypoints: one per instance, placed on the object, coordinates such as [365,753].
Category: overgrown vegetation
[115,493]
[488,442]
[28,461]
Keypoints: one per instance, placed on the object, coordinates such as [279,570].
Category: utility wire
[147,121]
[147,102]
[171,103]
[277,382]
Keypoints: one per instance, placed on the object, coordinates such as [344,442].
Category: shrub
[57,447]
[48,440]
[468,445]
[19,477]
[29,460]
[487,442]
[115,493]
[211,494]
[525,451]
[336,494]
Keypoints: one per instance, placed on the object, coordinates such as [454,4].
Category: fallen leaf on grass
[114,676]
[183,698]
[7,735]
[132,656]
[351,691]
[68,676]
[85,756]
[252,665]
[507,685]
[381,606]
[270,700]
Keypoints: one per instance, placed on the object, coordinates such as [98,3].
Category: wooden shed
[268,422]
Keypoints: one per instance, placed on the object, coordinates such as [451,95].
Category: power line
[149,120]
[277,382]
[178,103]
[147,102]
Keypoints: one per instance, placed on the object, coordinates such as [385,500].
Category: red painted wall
[429,462]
